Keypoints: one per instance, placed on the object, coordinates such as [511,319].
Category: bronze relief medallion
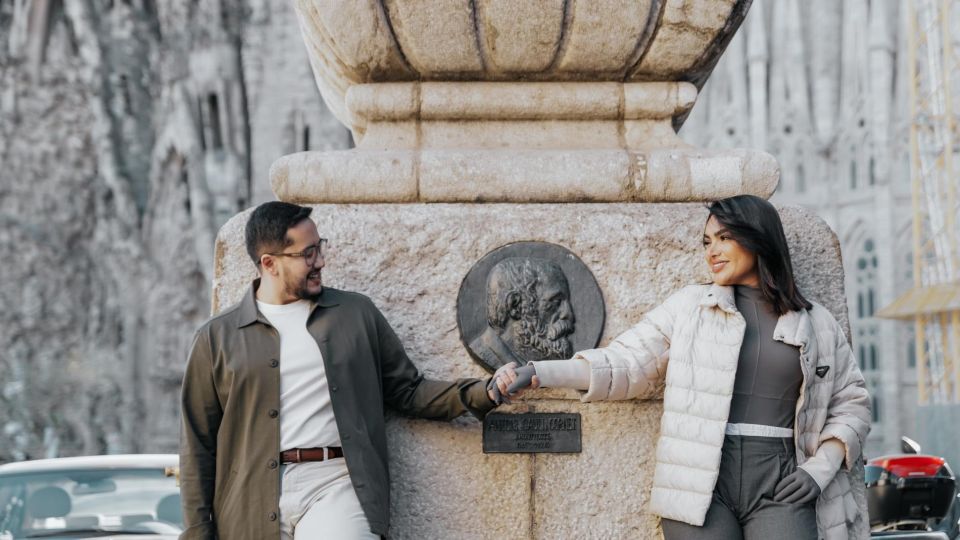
[529,301]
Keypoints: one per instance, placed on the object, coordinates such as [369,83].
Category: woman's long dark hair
[754,224]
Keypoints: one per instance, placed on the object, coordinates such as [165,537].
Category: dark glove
[524,378]
[797,488]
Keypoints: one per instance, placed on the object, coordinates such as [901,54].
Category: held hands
[511,381]
[526,379]
[796,488]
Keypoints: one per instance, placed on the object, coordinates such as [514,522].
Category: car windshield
[134,500]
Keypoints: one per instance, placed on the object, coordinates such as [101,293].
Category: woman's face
[729,262]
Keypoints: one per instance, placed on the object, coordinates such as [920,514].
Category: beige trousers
[317,501]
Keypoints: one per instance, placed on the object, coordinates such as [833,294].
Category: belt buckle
[299,456]
[326,453]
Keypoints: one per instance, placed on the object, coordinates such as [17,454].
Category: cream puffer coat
[689,348]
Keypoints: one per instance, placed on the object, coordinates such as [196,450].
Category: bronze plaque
[531,432]
[529,301]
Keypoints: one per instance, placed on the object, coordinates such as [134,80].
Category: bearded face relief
[545,315]
[528,301]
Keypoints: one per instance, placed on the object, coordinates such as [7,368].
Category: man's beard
[300,290]
[543,340]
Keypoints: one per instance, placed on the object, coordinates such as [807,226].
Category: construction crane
[934,301]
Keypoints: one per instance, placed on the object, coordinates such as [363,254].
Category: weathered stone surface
[461,46]
[349,46]
[618,439]
[521,115]
[686,30]
[542,175]
[478,101]
[437,36]
[410,259]
[445,487]
[364,177]
[605,35]
[521,135]
[520,142]
[519,36]
[600,40]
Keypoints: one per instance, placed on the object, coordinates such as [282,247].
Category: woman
[765,409]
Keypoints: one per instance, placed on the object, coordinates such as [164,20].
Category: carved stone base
[531,176]
[521,142]
[411,259]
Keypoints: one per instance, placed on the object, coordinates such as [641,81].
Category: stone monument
[482,123]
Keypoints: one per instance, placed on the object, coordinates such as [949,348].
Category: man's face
[547,321]
[300,279]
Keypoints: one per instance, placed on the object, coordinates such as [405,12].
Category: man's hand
[510,381]
[497,389]
[797,488]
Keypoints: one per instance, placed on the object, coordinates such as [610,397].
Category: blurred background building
[130,131]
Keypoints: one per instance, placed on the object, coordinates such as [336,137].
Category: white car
[119,497]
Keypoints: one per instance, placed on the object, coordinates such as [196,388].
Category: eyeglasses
[309,254]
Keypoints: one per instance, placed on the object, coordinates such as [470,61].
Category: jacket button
[272,516]
[346,437]
[272,464]
[273,413]
[274,363]
[334,388]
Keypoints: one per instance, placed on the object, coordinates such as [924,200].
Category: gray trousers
[743,506]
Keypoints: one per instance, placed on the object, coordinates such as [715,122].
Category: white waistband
[756,430]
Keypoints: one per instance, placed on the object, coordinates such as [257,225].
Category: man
[528,314]
[282,402]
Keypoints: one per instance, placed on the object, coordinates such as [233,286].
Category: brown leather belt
[299,455]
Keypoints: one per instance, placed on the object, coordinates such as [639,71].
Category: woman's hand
[511,381]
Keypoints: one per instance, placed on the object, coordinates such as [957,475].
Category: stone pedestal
[507,101]
[561,117]
[521,142]
[410,259]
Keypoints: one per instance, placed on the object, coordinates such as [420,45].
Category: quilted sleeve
[848,413]
[634,364]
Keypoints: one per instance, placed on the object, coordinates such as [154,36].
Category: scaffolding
[934,302]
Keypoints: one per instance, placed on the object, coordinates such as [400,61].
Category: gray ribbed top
[769,376]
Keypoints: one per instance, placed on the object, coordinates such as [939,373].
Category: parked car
[119,497]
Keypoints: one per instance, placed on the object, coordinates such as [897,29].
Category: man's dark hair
[267,228]
[755,224]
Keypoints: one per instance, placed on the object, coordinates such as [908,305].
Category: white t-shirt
[306,413]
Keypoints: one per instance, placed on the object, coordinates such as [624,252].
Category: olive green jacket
[230,430]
